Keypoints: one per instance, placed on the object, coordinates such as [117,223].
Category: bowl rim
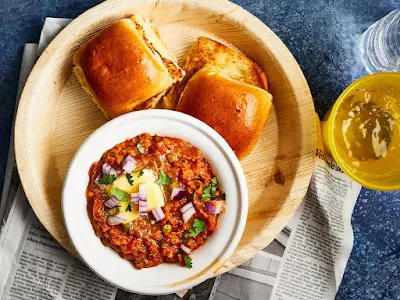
[330,134]
[227,250]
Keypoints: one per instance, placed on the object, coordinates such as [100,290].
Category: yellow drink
[362,131]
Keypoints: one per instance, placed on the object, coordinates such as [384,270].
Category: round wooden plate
[55,115]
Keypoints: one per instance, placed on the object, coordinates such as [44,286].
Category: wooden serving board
[55,116]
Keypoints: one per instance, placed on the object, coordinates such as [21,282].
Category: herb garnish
[129,177]
[128,208]
[119,194]
[164,179]
[209,191]
[198,227]
[188,261]
[114,210]
[140,148]
[141,173]
[107,179]
[184,237]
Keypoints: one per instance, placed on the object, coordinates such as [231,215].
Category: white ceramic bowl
[165,278]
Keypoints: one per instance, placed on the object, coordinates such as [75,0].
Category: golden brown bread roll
[207,51]
[236,110]
[126,67]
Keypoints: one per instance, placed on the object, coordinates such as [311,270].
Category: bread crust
[122,67]
[238,111]
[207,51]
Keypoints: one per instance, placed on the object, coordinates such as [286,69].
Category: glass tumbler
[380,44]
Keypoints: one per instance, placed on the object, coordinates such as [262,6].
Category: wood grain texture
[55,116]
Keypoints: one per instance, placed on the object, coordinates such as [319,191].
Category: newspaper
[305,261]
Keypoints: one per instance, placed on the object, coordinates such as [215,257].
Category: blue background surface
[323,36]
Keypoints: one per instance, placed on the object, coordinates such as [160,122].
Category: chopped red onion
[185,249]
[115,220]
[215,207]
[142,199]
[119,172]
[177,194]
[188,214]
[102,186]
[143,191]
[186,207]
[143,212]
[107,169]
[112,202]
[129,164]
[135,198]
[158,214]
[155,214]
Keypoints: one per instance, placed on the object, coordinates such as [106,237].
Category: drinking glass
[380,44]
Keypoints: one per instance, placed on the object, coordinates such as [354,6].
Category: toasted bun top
[119,70]
[207,51]
[238,111]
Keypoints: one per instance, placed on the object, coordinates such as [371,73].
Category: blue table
[323,37]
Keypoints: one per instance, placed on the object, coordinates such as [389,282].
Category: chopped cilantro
[140,148]
[128,208]
[184,237]
[192,196]
[141,173]
[209,191]
[198,227]
[129,177]
[164,179]
[214,185]
[188,261]
[113,211]
[119,194]
[206,193]
[107,179]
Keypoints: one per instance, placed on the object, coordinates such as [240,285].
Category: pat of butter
[155,196]
[129,215]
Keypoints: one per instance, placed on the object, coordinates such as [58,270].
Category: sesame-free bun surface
[208,51]
[126,67]
[236,110]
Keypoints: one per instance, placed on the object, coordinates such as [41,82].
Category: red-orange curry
[192,200]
